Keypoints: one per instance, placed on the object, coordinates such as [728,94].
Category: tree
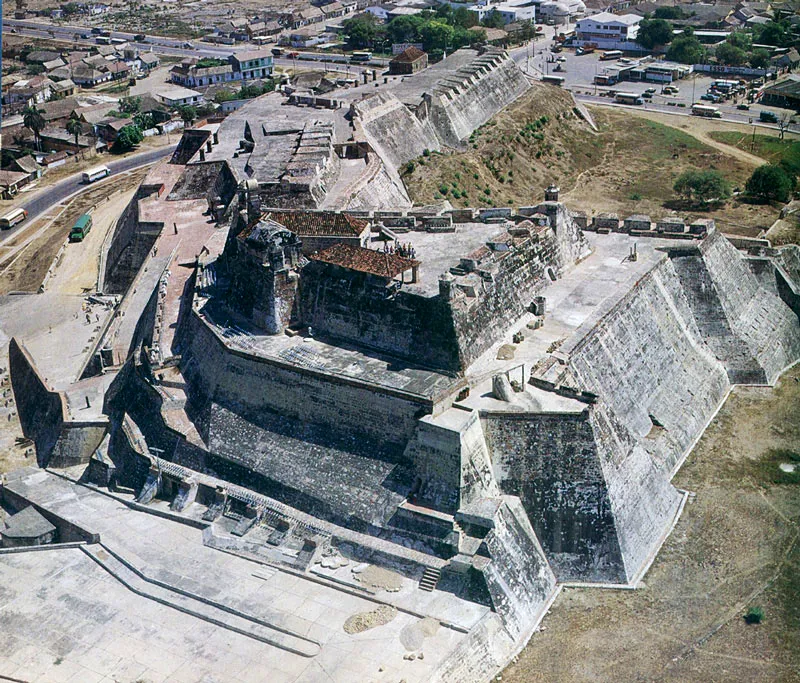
[759,58]
[437,35]
[187,113]
[493,20]
[769,182]
[771,33]
[127,138]
[130,105]
[361,30]
[668,13]
[74,127]
[653,32]
[728,53]
[33,120]
[144,121]
[702,186]
[686,49]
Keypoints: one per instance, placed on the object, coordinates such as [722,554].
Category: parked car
[743,107]
[647,95]
[651,91]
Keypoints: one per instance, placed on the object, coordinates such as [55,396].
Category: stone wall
[519,577]
[521,273]
[357,308]
[41,411]
[489,85]
[129,245]
[243,382]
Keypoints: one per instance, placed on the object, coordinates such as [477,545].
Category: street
[42,200]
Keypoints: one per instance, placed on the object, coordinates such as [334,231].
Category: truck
[81,228]
[768,117]
[140,37]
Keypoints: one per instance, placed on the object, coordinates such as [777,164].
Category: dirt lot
[735,547]
[628,166]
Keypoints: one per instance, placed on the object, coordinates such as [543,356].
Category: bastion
[429,418]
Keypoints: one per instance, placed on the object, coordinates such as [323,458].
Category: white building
[609,31]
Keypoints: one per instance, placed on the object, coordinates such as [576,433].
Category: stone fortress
[489,403]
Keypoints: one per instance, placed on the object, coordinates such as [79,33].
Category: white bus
[706,110]
[95,173]
[553,80]
[12,218]
[628,98]
[360,56]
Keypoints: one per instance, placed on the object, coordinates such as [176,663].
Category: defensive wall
[665,357]
[441,107]
[44,417]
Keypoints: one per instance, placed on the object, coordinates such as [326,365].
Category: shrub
[487,191]
[770,182]
[636,196]
[443,190]
[411,166]
[426,152]
[754,615]
[475,176]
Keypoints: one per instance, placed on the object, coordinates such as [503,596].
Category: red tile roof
[365,260]
[319,223]
[409,55]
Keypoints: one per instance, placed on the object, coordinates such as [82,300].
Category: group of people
[405,250]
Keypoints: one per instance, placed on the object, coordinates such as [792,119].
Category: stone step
[198,606]
[430,579]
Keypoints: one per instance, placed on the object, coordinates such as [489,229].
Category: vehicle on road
[609,55]
[628,98]
[102,40]
[93,174]
[647,95]
[651,91]
[12,218]
[118,41]
[709,97]
[671,90]
[553,80]
[277,51]
[706,110]
[743,107]
[81,228]
[561,59]
[97,31]
[361,56]
[140,37]
[187,45]
[768,117]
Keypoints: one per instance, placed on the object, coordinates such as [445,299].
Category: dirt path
[700,128]
[77,270]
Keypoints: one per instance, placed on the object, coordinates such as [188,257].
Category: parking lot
[579,73]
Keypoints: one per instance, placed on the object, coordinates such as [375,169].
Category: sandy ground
[77,269]
[31,251]
[734,547]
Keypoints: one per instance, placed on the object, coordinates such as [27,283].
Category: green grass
[768,147]
[767,469]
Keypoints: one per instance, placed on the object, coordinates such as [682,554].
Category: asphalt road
[45,198]
[171,46]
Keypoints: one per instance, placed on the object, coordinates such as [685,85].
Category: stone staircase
[430,579]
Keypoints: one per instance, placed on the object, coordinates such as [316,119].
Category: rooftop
[319,223]
[365,260]
[410,54]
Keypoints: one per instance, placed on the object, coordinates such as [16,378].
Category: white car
[561,59]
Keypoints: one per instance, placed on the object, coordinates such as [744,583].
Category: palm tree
[33,120]
[74,127]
